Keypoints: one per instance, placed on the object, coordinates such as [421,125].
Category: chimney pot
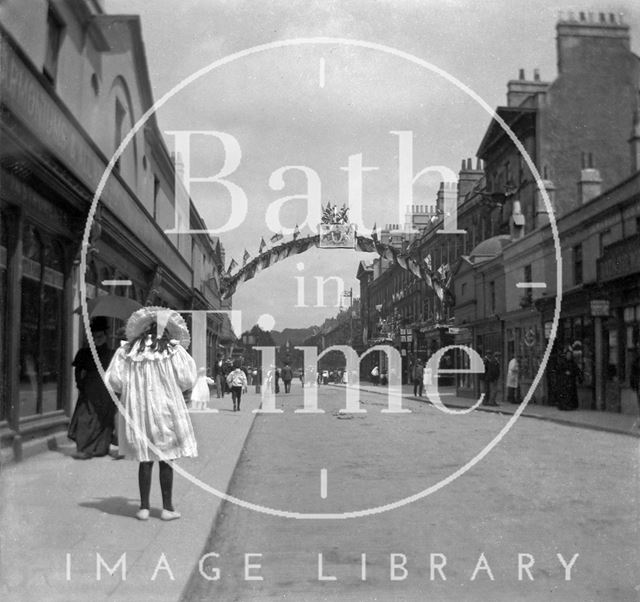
[603,18]
[521,75]
[582,16]
[536,75]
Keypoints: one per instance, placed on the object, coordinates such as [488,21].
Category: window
[492,297]
[577,264]
[605,238]
[55,29]
[4,244]
[119,121]
[40,328]
[156,191]
[528,293]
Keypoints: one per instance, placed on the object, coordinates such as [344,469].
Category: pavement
[68,529]
[622,424]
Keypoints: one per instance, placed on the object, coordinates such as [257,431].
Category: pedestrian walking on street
[287,376]
[93,420]
[200,394]
[491,377]
[257,379]
[418,378]
[567,376]
[375,375]
[276,377]
[237,381]
[150,373]
[218,375]
[513,380]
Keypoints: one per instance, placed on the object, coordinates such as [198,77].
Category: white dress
[200,392]
[150,385]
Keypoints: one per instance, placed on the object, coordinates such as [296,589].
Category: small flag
[296,232]
[245,257]
[374,232]
[232,266]
[277,237]
[262,245]
[427,261]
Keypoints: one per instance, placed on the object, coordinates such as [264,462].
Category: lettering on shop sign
[312,195]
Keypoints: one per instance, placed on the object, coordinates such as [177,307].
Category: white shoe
[142,514]
[169,514]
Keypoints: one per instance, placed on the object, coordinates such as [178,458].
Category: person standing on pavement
[513,380]
[287,376]
[219,376]
[200,393]
[491,377]
[417,376]
[567,376]
[150,373]
[237,381]
[276,376]
[375,375]
[93,419]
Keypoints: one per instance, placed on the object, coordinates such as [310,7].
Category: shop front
[619,276]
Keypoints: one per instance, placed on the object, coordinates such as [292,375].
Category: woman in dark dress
[93,420]
[567,376]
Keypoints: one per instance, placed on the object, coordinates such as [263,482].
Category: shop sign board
[599,308]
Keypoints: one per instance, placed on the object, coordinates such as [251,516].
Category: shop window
[4,244]
[613,364]
[41,325]
[55,30]
[577,264]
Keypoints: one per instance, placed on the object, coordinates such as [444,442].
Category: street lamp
[350,295]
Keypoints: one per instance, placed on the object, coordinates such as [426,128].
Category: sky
[289,118]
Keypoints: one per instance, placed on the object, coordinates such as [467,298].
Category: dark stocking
[144,483]
[166,484]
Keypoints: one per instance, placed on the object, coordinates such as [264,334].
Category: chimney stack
[590,183]
[519,90]
[586,43]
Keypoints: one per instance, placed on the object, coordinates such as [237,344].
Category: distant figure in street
[150,373]
[513,380]
[257,378]
[491,377]
[427,378]
[237,381]
[567,376]
[287,376]
[276,380]
[219,376]
[417,376]
[200,393]
[93,419]
[375,375]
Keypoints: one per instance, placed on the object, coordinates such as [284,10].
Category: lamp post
[350,295]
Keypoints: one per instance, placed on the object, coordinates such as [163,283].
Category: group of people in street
[155,379]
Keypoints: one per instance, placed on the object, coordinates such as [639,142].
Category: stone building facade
[73,81]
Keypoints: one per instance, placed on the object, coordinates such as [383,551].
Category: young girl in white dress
[150,373]
[200,393]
